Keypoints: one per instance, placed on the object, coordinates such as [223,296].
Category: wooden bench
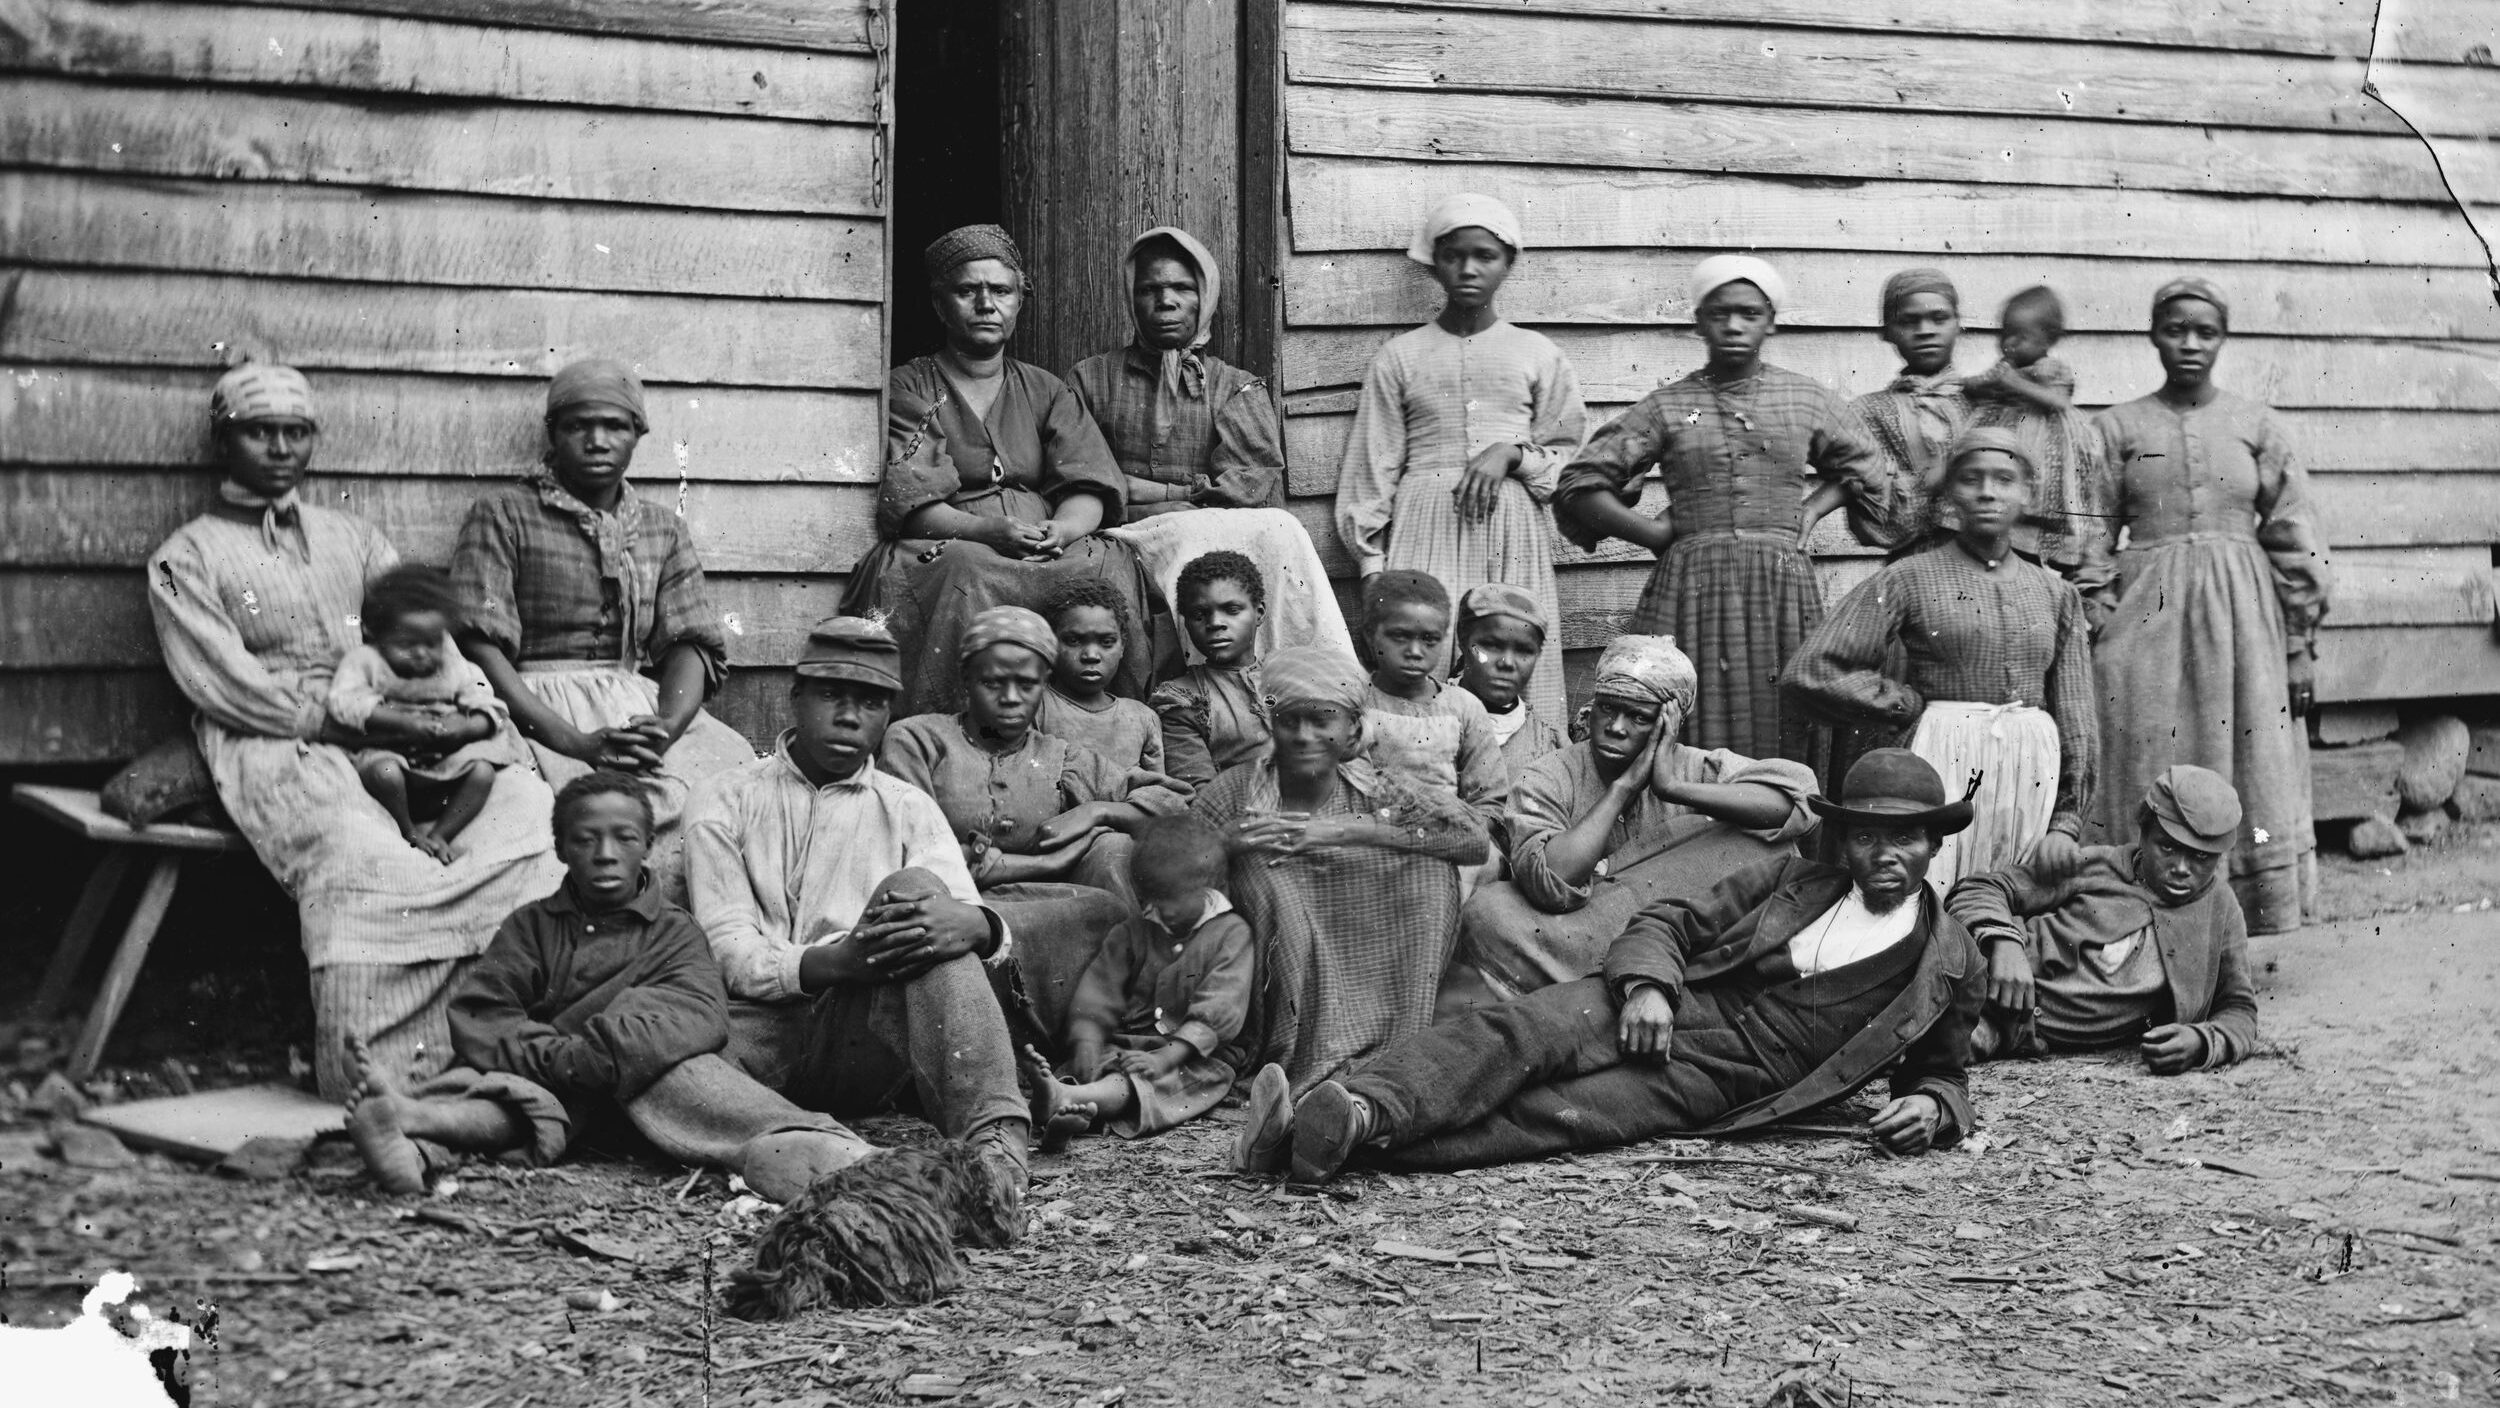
[165,845]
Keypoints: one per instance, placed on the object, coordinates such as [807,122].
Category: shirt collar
[646,903]
[856,781]
[1216,905]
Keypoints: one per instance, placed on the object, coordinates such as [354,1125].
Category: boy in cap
[2138,945]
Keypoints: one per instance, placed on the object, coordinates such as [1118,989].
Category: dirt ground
[2316,1226]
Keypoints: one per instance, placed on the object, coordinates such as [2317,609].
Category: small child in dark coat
[1155,1018]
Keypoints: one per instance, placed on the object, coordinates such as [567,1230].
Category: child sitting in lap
[409,672]
[1156,1017]
[600,997]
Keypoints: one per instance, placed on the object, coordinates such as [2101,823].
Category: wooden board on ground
[214,1123]
[2346,784]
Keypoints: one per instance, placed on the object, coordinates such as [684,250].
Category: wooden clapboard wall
[2101,149]
[429,206]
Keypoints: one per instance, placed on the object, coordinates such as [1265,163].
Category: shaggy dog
[881,1232]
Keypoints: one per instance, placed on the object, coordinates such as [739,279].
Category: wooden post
[1120,115]
[94,903]
[154,896]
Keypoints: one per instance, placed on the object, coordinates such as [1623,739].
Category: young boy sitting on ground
[1155,1017]
[2140,944]
[1501,635]
[599,997]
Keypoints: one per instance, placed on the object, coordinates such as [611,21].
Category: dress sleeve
[2287,527]
[356,691]
[476,696]
[1374,464]
[1483,773]
[1558,425]
[1183,715]
[1613,461]
[1075,457]
[485,573]
[1248,463]
[1542,806]
[1088,776]
[912,754]
[1838,674]
[682,611]
[206,655]
[1841,451]
[2074,702]
[1793,780]
[918,469]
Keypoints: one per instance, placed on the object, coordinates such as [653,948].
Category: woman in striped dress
[1463,425]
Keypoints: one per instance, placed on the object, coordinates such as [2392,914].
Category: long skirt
[928,603]
[393,922]
[591,695]
[2191,670]
[2013,748]
[1301,608]
[1515,545]
[1739,605]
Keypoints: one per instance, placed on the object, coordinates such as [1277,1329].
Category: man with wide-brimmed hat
[2138,945]
[1790,984]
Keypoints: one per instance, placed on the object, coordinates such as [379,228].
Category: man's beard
[1885,904]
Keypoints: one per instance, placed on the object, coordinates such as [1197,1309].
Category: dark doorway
[946,145]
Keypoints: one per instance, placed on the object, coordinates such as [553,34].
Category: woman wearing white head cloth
[1738,444]
[1463,426]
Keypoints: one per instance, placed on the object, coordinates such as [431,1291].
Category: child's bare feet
[1056,1118]
[375,1120]
[424,839]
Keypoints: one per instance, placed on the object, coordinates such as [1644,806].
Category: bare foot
[1056,1118]
[424,839]
[376,1112]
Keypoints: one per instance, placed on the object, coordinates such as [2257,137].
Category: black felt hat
[1896,787]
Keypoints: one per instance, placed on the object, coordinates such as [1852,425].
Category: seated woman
[1044,823]
[1200,443]
[1348,876]
[255,603]
[584,604]
[1631,816]
[996,484]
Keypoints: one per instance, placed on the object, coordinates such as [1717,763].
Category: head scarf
[598,381]
[1457,213]
[1719,270]
[1909,283]
[1314,674]
[1009,625]
[956,248]
[261,391]
[2192,287]
[1992,437]
[1184,371]
[1647,668]
[1500,599]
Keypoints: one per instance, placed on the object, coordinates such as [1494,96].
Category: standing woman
[255,602]
[2209,655]
[996,486]
[584,604]
[1738,443]
[1463,426]
[1348,875]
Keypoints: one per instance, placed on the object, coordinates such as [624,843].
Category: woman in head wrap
[1200,443]
[584,604]
[1349,876]
[1632,814]
[255,603]
[1462,426]
[1977,659]
[1044,822]
[1737,443]
[996,484]
[2219,593]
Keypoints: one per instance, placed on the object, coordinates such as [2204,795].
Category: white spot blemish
[603,249]
[251,600]
[2260,836]
[117,149]
[730,623]
[276,48]
[1692,417]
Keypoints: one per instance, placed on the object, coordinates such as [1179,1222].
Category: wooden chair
[165,845]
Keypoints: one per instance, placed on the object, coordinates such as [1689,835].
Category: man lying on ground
[1791,984]
[2140,944]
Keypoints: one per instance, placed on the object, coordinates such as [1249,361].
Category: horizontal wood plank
[2407,663]
[2442,33]
[1473,50]
[124,319]
[1620,364]
[701,161]
[90,519]
[453,427]
[86,716]
[1871,144]
[389,55]
[1346,204]
[837,25]
[1844,288]
[2390,510]
[409,238]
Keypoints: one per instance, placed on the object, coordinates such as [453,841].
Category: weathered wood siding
[2100,149]
[429,206]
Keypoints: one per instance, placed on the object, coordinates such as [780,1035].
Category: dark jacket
[591,1005]
[2203,942]
[1923,1035]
